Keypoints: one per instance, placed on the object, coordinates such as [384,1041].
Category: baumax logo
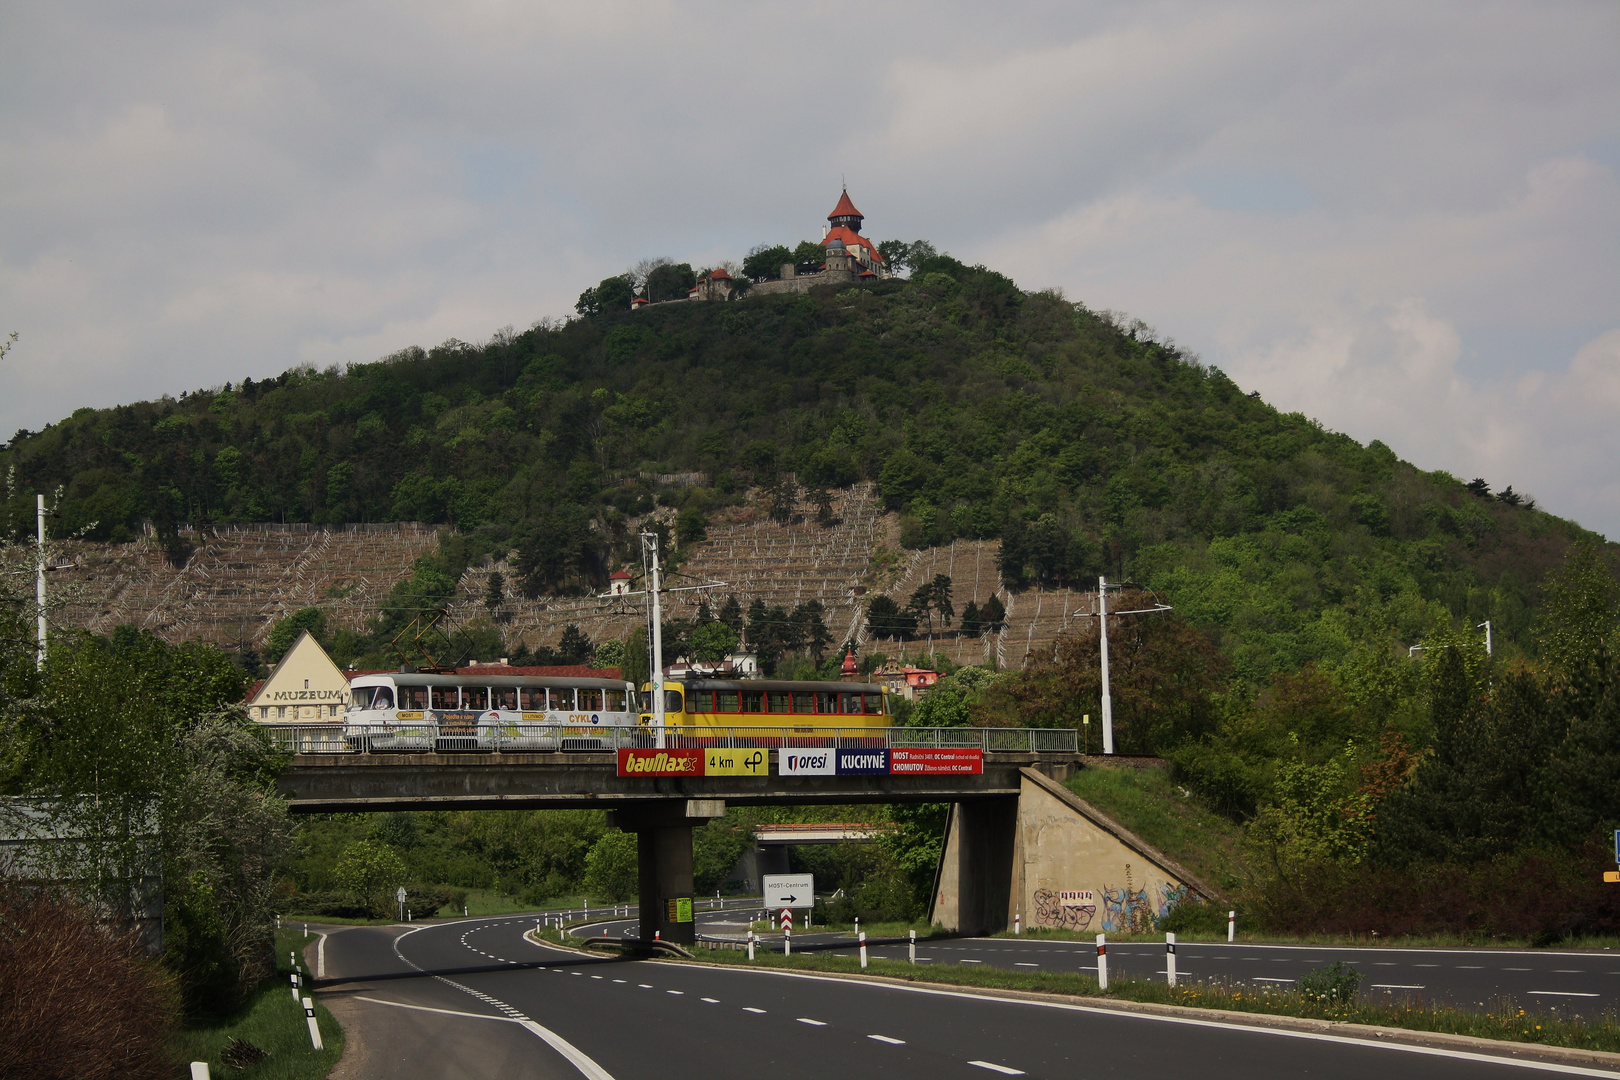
[660,762]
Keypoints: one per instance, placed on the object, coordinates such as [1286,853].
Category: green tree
[1582,609]
[286,631]
[671,281]
[574,647]
[766,261]
[971,625]
[636,667]
[713,641]
[494,591]
[611,868]
[372,870]
[613,294]
[809,256]
[609,654]
[993,615]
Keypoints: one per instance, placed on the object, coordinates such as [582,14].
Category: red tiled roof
[845,208]
[618,575]
[555,671]
[253,691]
[851,238]
[720,274]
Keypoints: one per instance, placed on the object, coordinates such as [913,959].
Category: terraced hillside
[239,579]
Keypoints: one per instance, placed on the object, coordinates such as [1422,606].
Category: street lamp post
[650,544]
[1107,697]
[39,582]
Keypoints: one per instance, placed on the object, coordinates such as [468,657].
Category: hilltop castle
[850,257]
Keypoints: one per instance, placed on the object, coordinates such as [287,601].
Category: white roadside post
[787,940]
[199,1070]
[1102,961]
[1170,959]
[863,950]
[314,1029]
[295,987]
[750,944]
[1018,923]
[1231,926]
[914,946]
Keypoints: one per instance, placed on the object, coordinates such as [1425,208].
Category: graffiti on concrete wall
[1171,893]
[1066,909]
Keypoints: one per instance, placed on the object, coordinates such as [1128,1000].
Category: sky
[1400,219]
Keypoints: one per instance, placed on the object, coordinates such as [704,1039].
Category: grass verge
[1154,807]
[1503,1020]
[273,1023]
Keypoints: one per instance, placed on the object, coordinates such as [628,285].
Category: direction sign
[400,895]
[789,890]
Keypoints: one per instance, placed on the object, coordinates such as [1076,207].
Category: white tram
[432,711]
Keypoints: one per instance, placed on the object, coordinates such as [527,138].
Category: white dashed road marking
[750,1008]
[812,1023]
[887,1039]
[993,1067]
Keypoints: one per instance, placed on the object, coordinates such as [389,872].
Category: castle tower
[845,215]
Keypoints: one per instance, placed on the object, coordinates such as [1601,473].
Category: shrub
[77,999]
[1338,982]
[1191,916]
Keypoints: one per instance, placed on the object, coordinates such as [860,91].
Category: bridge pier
[664,860]
[986,833]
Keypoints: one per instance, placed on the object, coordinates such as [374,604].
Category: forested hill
[981,411]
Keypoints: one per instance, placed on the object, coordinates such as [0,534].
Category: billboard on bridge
[803,761]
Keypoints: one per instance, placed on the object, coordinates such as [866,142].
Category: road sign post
[789,890]
[399,898]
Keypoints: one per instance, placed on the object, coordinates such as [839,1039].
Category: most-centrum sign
[789,890]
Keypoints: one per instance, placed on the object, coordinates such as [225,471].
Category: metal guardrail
[428,736]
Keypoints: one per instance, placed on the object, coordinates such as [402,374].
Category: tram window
[533,699]
[727,701]
[672,701]
[506,698]
[700,701]
[590,699]
[777,701]
[852,702]
[382,698]
[413,697]
[615,701]
[826,701]
[753,701]
[475,697]
[360,697]
[804,701]
[445,697]
[874,704]
[562,698]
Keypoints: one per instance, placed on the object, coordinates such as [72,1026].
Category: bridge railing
[428,736]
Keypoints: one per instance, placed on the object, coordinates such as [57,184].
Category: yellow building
[305,686]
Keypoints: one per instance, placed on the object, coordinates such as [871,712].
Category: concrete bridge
[1017,837]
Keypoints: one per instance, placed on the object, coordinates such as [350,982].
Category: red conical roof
[849,662]
[845,208]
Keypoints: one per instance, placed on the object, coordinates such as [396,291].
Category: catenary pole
[651,541]
[1107,700]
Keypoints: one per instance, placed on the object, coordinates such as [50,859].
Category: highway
[1583,982]
[474,999]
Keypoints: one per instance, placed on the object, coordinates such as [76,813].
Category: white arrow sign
[790,890]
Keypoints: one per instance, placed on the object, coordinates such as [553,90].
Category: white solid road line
[993,1067]
[1187,1021]
[1394,986]
[574,1055]
[888,1039]
[320,958]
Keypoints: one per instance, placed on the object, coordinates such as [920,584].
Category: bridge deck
[324,783]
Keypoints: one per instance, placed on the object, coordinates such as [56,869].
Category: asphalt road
[1585,982]
[474,999]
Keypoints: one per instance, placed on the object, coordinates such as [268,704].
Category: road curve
[474,998]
